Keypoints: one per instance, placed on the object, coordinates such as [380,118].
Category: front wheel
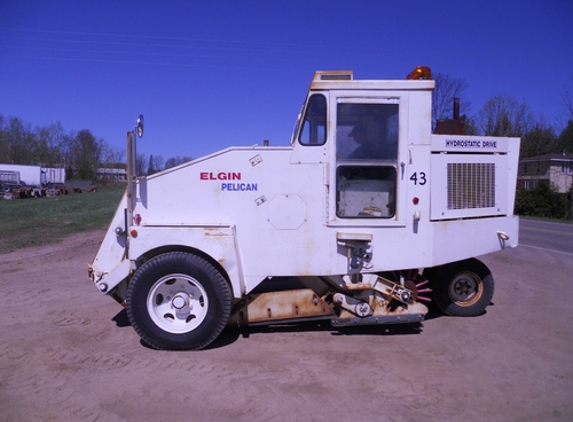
[178,301]
[463,288]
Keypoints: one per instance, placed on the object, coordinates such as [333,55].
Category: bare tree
[175,161]
[503,115]
[567,99]
[21,142]
[448,88]
[112,157]
[49,139]
[141,164]
[4,141]
[158,162]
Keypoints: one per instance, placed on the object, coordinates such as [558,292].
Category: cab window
[313,130]
[367,131]
[367,155]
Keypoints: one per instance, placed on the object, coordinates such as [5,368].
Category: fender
[216,241]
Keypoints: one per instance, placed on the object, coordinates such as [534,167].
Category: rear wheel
[463,288]
[178,301]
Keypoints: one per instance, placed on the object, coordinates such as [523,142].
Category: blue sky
[211,74]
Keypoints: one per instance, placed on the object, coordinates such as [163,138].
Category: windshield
[296,125]
[311,129]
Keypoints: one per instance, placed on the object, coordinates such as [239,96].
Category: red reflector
[415,200]
[137,219]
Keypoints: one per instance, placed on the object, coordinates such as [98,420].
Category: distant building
[552,169]
[119,175]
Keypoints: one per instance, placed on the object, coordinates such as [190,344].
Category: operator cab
[366,138]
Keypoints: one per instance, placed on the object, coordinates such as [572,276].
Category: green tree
[538,141]
[156,164]
[564,143]
[542,201]
[85,154]
[470,125]
[150,167]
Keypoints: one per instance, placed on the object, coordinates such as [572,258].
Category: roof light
[421,72]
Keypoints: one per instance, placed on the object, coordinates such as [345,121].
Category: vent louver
[471,185]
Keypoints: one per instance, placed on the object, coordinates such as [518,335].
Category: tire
[463,288]
[178,301]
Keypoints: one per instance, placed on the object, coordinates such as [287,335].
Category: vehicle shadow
[231,334]
[121,319]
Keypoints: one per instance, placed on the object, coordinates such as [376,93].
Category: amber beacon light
[421,72]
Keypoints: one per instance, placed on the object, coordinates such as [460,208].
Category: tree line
[82,153]
[504,115]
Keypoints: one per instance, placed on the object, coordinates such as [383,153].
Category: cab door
[369,160]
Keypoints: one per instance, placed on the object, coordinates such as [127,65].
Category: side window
[313,130]
[367,156]
[366,191]
[367,131]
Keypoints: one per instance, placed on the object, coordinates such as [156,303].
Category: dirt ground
[68,353]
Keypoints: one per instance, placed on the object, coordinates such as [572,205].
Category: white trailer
[34,175]
[336,226]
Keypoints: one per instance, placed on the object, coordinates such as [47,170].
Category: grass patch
[41,221]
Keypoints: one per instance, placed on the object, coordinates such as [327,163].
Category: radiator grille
[471,185]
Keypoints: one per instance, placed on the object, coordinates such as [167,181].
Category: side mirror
[140,126]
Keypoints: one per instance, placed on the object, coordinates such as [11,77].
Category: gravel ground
[68,353]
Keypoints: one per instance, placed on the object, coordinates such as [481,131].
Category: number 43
[419,178]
